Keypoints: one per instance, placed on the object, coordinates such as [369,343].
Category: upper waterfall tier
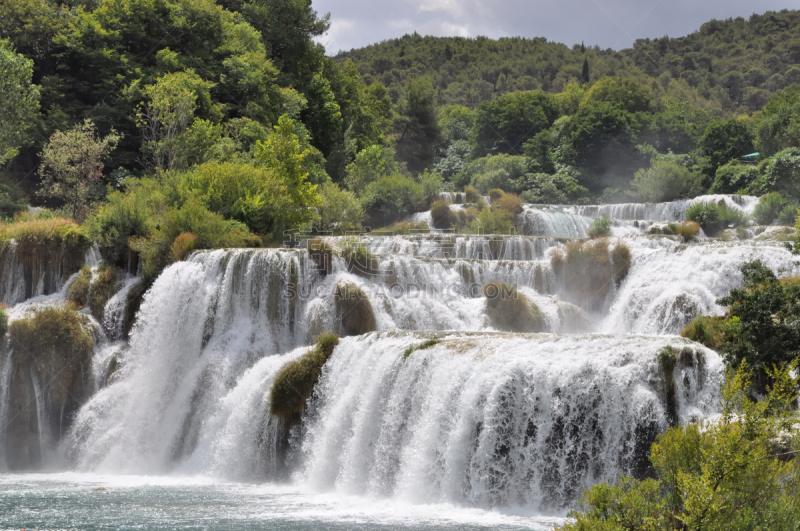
[497,420]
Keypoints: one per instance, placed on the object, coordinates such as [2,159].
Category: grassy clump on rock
[708,331]
[104,286]
[360,261]
[295,382]
[320,254]
[511,311]
[588,270]
[58,344]
[78,293]
[441,215]
[59,242]
[354,308]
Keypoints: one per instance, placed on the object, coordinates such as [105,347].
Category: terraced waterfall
[427,399]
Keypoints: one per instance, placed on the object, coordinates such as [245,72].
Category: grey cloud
[607,23]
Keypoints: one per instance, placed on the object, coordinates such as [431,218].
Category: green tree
[782,172]
[780,124]
[724,141]
[504,124]
[416,128]
[72,162]
[665,181]
[628,94]
[602,134]
[370,164]
[19,101]
[340,210]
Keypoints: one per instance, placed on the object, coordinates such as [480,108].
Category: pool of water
[91,502]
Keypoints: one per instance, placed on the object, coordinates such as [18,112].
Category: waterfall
[5,398]
[493,247]
[495,420]
[41,416]
[114,311]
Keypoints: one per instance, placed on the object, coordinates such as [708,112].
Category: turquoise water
[93,502]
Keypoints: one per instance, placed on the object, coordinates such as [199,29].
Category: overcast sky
[608,23]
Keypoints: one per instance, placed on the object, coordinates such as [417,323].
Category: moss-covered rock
[422,346]
[511,311]
[353,309]
[360,261]
[320,255]
[104,285]
[78,293]
[296,380]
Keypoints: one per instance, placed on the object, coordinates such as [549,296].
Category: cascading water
[476,418]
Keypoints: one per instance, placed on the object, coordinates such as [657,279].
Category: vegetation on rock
[353,309]
[511,311]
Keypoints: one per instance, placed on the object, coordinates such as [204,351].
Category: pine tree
[585,71]
[583,48]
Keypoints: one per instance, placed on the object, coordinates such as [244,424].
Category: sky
[607,23]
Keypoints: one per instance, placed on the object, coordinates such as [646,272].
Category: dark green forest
[161,126]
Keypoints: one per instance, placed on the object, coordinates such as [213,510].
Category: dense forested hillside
[731,65]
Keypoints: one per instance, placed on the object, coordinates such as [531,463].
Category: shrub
[12,197]
[104,286]
[392,198]
[295,382]
[688,230]
[497,221]
[122,217]
[78,293]
[713,218]
[769,208]
[588,270]
[320,254]
[733,177]
[354,309]
[471,194]
[182,245]
[788,215]
[665,181]
[509,202]
[782,172]
[495,194]
[708,331]
[511,311]
[405,227]
[56,240]
[341,210]
[441,215]
[466,217]
[495,171]
[3,321]
[359,260]
[600,227]
[57,343]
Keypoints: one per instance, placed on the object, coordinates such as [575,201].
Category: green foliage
[732,177]
[503,125]
[769,208]
[391,198]
[496,221]
[341,210]
[560,188]
[104,285]
[353,309]
[780,123]
[359,259]
[665,181]
[58,345]
[441,215]
[495,171]
[416,128]
[710,331]
[724,141]
[45,240]
[599,130]
[729,473]
[511,311]
[627,93]
[72,162]
[761,330]
[782,172]
[295,382]
[713,218]
[688,230]
[405,227]
[78,293]
[600,227]
[422,346]
[12,197]
[3,322]
[19,100]
[371,163]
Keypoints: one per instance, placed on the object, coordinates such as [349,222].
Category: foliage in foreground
[737,472]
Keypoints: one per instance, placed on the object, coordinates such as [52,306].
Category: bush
[295,382]
[713,218]
[182,245]
[48,240]
[509,202]
[782,172]
[466,217]
[588,270]
[392,198]
[341,210]
[769,208]
[495,194]
[104,286]
[495,171]
[354,309]
[123,217]
[57,343]
[12,198]
[471,194]
[600,227]
[733,177]
[359,260]
[511,311]
[708,331]
[788,215]
[3,321]
[620,262]
[688,230]
[404,227]
[497,221]
[441,215]
[665,181]
[78,293]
